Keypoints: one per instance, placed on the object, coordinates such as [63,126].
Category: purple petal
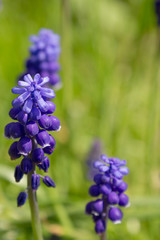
[96,164]
[43,81]
[40,101]
[17,102]
[23,84]
[28,79]
[104,158]
[124,170]
[28,105]
[37,77]
[103,168]
[47,92]
[18,90]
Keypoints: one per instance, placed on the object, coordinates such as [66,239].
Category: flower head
[32,117]
[44,55]
[110,186]
[32,94]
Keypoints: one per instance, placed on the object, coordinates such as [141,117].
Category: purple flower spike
[100,226]
[13,151]
[44,165]
[26,165]
[48,182]
[22,197]
[43,138]
[24,146]
[30,110]
[35,181]
[115,215]
[18,174]
[37,155]
[44,55]
[31,129]
[110,186]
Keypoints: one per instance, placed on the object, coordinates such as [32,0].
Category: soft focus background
[111,91]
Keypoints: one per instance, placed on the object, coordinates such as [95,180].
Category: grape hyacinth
[109,187]
[31,129]
[44,56]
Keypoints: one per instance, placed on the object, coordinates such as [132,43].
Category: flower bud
[24,146]
[17,130]
[89,208]
[18,174]
[44,121]
[100,226]
[26,165]
[37,155]
[22,117]
[14,112]
[48,181]
[105,189]
[55,124]
[94,191]
[13,151]
[123,200]
[35,181]
[112,198]
[35,114]
[97,178]
[43,138]
[122,187]
[7,131]
[115,215]
[14,130]
[22,197]
[98,206]
[51,107]
[44,164]
[31,129]
[51,147]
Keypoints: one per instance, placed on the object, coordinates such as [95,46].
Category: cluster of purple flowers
[110,185]
[44,55]
[32,114]
[157,9]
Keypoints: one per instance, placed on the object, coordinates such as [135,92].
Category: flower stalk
[32,197]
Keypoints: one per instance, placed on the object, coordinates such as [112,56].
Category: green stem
[105,211]
[36,225]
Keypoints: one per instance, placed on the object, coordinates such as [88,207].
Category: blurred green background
[111,81]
